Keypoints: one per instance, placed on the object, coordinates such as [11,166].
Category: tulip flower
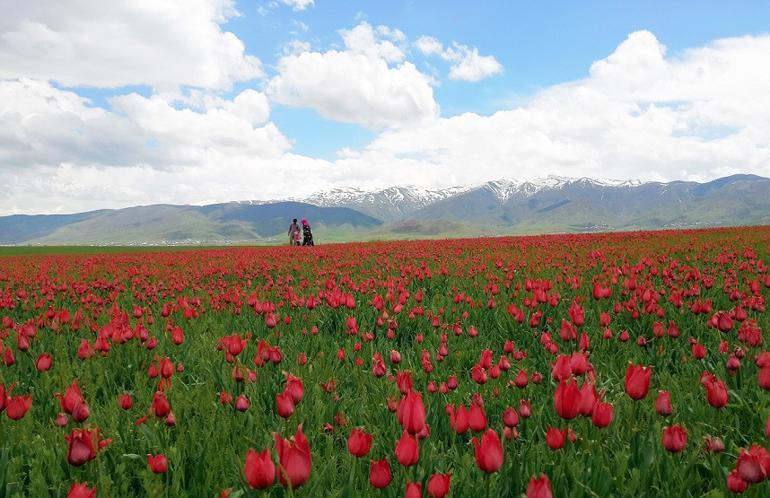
[637,381]
[80,490]
[716,391]
[71,398]
[438,485]
[753,466]
[567,399]
[294,460]
[663,404]
[555,438]
[160,404]
[83,445]
[284,404]
[44,362]
[17,406]
[674,438]
[125,401]
[157,463]
[602,415]
[477,419]
[411,412]
[539,487]
[359,443]
[259,469]
[489,452]
[413,490]
[735,483]
[407,450]
[379,474]
[294,388]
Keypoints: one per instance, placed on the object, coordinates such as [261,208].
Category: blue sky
[110,104]
[538,43]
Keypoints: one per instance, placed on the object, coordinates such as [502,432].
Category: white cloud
[163,44]
[429,45]
[294,47]
[298,4]
[358,84]
[42,125]
[639,113]
[467,64]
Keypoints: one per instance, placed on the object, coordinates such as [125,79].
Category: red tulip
[438,485]
[125,401]
[379,473]
[539,487]
[83,445]
[294,388]
[477,419]
[79,490]
[637,381]
[602,415]
[663,404]
[567,399]
[158,463]
[259,469]
[407,450]
[674,438]
[489,452]
[510,417]
[555,438]
[4,396]
[284,404]
[411,412]
[17,406]
[294,459]
[72,397]
[716,391]
[44,362]
[458,419]
[753,465]
[413,490]
[359,443]
[735,482]
[160,404]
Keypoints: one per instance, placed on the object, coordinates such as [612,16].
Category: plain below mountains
[552,204]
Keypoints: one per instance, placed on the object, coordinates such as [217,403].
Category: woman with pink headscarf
[307,235]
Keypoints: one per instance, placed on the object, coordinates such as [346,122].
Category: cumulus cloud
[641,112]
[368,83]
[122,42]
[44,126]
[297,5]
[466,63]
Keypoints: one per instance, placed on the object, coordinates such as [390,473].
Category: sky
[135,102]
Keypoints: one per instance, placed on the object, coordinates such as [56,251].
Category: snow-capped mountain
[550,204]
[386,204]
[397,202]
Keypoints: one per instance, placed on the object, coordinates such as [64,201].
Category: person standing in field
[294,233]
[307,235]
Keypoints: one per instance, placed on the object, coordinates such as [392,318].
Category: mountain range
[551,204]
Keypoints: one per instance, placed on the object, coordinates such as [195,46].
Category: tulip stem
[488,479]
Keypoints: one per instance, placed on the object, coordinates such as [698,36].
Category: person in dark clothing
[307,235]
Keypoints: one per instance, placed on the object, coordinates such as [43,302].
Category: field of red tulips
[595,365]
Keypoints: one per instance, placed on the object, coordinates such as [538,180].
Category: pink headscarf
[305,223]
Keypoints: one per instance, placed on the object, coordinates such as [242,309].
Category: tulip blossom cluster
[617,364]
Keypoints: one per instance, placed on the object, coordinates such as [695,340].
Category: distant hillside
[499,207]
[160,224]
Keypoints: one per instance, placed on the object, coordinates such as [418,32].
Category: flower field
[627,364]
